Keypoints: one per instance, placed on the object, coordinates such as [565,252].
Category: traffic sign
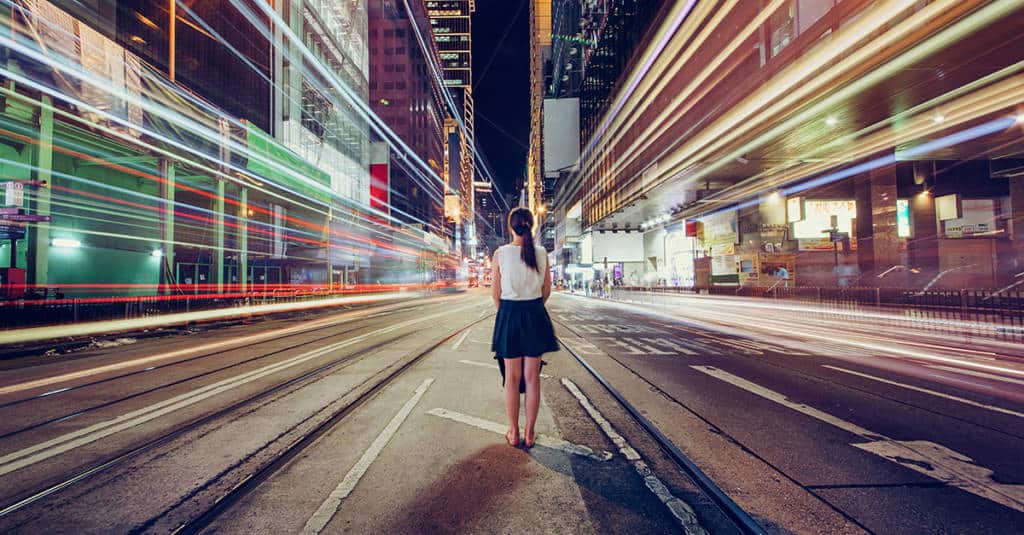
[12,232]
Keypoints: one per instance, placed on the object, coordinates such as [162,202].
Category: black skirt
[522,329]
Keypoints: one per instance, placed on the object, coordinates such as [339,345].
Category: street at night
[512,266]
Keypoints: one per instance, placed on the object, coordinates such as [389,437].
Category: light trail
[211,136]
[963,343]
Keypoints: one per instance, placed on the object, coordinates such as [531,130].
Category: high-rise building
[405,94]
[540,53]
[451,23]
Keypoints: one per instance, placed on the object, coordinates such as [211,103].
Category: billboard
[561,135]
[618,246]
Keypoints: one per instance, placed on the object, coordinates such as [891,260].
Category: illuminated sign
[903,218]
[818,218]
[451,207]
[379,187]
[947,207]
[794,209]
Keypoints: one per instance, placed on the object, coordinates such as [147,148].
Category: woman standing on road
[522,329]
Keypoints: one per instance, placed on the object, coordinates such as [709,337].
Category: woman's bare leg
[531,372]
[513,373]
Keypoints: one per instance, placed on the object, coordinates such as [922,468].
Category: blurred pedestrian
[522,328]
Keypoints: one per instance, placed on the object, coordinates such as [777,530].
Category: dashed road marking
[493,366]
[330,506]
[975,374]
[933,460]
[455,346]
[927,391]
[680,510]
[68,441]
[543,440]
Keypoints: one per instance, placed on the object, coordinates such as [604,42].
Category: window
[399,33]
[400,85]
[389,33]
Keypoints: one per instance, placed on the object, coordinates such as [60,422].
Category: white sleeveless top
[518,281]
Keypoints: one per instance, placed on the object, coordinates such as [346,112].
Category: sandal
[511,441]
[530,442]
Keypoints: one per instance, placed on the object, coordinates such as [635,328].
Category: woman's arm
[545,289]
[496,281]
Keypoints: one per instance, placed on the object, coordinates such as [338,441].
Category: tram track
[300,444]
[740,518]
[287,332]
[183,380]
[279,390]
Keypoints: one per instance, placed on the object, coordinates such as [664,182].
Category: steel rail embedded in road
[190,426]
[253,480]
[743,521]
[183,380]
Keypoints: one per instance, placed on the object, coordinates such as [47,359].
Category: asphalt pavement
[389,418]
[893,443]
[385,418]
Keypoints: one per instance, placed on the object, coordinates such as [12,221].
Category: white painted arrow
[933,460]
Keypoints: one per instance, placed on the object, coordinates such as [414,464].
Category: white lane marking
[933,460]
[543,440]
[494,366]
[683,512]
[56,446]
[927,391]
[455,346]
[975,374]
[330,506]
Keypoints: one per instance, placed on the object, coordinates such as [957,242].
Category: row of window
[400,51]
[399,32]
[388,85]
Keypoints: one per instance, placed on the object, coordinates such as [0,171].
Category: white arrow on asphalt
[543,440]
[933,460]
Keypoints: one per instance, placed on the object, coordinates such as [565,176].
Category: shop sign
[903,218]
[977,217]
[720,228]
[723,265]
[723,249]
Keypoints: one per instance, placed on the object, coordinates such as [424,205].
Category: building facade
[811,166]
[406,95]
[173,153]
[451,24]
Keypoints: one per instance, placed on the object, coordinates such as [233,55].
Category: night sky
[501,91]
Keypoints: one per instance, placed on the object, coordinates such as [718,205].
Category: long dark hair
[520,221]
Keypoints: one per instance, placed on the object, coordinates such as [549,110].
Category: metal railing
[1001,311]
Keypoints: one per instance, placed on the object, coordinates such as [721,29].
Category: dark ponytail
[520,221]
